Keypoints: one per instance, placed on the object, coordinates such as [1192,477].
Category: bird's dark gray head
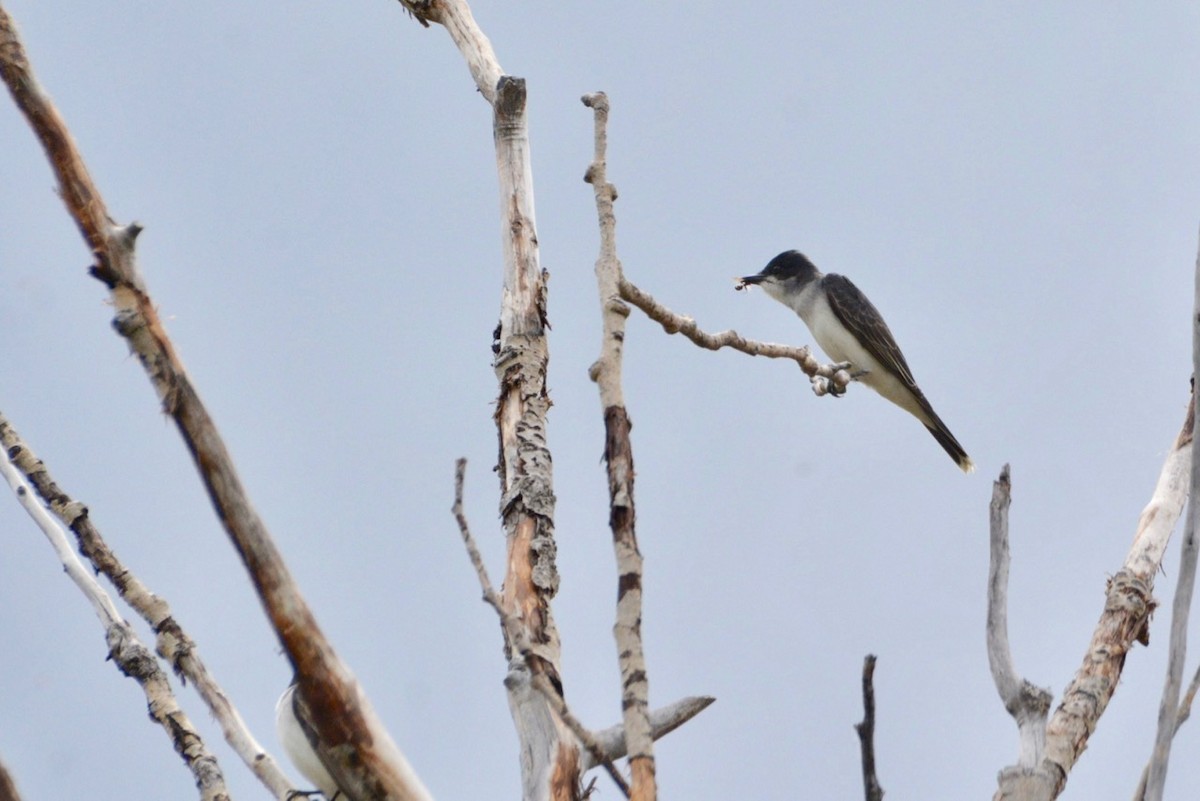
[790,269]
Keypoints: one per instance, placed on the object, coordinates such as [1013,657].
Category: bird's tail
[949,443]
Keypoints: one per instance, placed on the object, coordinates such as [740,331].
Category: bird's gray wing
[863,320]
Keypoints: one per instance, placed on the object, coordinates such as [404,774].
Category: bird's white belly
[841,346]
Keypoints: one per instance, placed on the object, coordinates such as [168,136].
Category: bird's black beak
[748,280]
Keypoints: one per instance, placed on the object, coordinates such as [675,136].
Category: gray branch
[1155,775]
[1028,704]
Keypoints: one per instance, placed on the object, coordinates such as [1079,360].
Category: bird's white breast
[299,750]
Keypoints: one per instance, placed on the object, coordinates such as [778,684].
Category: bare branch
[1169,710]
[618,458]
[663,721]
[363,756]
[674,323]
[1027,703]
[866,732]
[825,378]
[522,676]
[8,788]
[128,652]
[522,354]
[1128,604]
[1183,713]
[171,642]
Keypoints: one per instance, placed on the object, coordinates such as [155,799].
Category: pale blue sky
[1016,187]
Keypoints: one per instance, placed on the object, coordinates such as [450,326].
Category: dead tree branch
[825,378]
[618,458]
[126,650]
[8,788]
[171,642]
[521,676]
[360,751]
[522,354]
[1128,604]
[866,732]
[1169,710]
[1028,704]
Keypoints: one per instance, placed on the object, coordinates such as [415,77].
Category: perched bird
[295,735]
[850,329]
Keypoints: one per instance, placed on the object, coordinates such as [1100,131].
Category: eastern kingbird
[297,736]
[850,329]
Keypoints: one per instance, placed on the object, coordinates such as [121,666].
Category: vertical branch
[618,456]
[866,732]
[551,763]
[361,753]
[1168,710]
[1028,704]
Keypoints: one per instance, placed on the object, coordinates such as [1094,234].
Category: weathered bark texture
[359,750]
[125,649]
[171,642]
[550,760]
[618,457]
[1128,604]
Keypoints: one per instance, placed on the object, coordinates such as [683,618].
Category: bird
[296,737]
[849,328]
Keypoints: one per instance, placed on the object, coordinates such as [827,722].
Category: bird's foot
[832,379]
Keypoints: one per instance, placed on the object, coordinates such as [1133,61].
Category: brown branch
[866,732]
[522,355]
[171,642]
[516,640]
[618,458]
[362,754]
[8,788]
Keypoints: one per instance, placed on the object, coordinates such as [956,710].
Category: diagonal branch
[171,642]
[1169,710]
[125,649]
[363,756]
[618,458]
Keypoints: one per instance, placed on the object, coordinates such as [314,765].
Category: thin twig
[866,732]
[515,635]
